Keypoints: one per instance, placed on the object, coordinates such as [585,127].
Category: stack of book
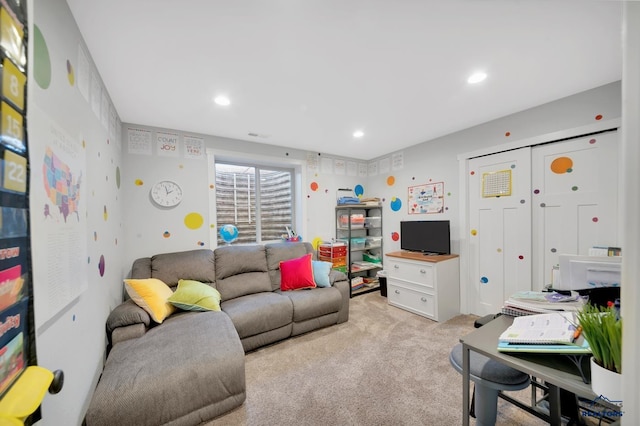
[538,302]
[549,333]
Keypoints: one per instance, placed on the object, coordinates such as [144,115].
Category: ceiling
[306,74]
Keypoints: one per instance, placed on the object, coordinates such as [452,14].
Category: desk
[556,370]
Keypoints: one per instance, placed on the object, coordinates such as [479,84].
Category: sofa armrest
[127,332]
[336,276]
[124,315]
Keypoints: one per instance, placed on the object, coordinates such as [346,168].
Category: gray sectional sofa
[190,368]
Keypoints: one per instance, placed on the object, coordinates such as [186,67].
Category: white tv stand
[427,285]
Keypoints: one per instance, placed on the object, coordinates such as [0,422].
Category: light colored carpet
[385,366]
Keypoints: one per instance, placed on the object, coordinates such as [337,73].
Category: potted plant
[602,328]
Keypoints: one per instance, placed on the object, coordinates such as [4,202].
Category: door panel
[500,228]
[575,199]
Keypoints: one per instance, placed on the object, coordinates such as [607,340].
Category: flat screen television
[426,236]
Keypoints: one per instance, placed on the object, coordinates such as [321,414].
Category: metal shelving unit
[360,226]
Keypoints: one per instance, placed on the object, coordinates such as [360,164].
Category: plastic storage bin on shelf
[357,221]
[358,243]
[373,222]
[368,257]
[373,242]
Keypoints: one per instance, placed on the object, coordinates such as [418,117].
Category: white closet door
[500,229]
[575,199]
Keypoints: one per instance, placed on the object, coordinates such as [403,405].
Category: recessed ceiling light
[358,134]
[222,100]
[476,77]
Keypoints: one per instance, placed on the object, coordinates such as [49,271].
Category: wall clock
[166,193]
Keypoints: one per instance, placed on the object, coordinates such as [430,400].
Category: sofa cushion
[277,252]
[151,294]
[297,274]
[321,271]
[241,270]
[195,296]
[314,303]
[186,371]
[258,313]
[171,267]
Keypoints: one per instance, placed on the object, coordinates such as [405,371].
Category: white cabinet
[425,285]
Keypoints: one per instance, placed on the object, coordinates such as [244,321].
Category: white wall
[73,340]
[151,230]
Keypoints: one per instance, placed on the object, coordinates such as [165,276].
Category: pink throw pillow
[296,274]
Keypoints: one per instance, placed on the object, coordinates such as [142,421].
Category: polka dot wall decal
[513,166]
[193,220]
[326,191]
[211,186]
[95,236]
[543,205]
[396,204]
[200,243]
[308,196]
[507,134]
[41,59]
[105,214]
[472,173]
[522,201]
[574,188]
[101,265]
[391,180]
[561,164]
[395,236]
[599,117]
[166,234]
[70,74]
[474,232]
[73,317]
[314,186]
[499,250]
[118,177]
[595,219]
[484,280]
[521,257]
[138,182]
[592,141]
[553,250]
[536,191]
[358,190]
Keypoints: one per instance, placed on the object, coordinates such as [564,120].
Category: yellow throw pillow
[151,294]
[195,296]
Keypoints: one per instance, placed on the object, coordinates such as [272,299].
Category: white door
[575,199]
[500,229]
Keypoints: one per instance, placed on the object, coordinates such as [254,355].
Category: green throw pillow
[195,296]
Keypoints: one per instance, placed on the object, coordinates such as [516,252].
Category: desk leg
[554,405]
[465,385]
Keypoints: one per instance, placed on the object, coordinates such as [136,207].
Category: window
[257,200]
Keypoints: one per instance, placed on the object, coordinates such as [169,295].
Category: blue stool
[489,377]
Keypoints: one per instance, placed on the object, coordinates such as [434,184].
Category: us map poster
[58,213]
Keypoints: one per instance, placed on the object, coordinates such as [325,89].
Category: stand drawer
[418,273]
[414,301]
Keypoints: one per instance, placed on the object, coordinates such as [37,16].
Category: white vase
[606,383]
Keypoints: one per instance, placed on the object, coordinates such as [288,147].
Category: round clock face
[166,193]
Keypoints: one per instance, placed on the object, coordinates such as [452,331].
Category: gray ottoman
[186,371]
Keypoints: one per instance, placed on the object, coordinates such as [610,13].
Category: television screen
[426,236]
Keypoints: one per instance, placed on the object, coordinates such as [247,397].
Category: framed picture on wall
[427,198]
